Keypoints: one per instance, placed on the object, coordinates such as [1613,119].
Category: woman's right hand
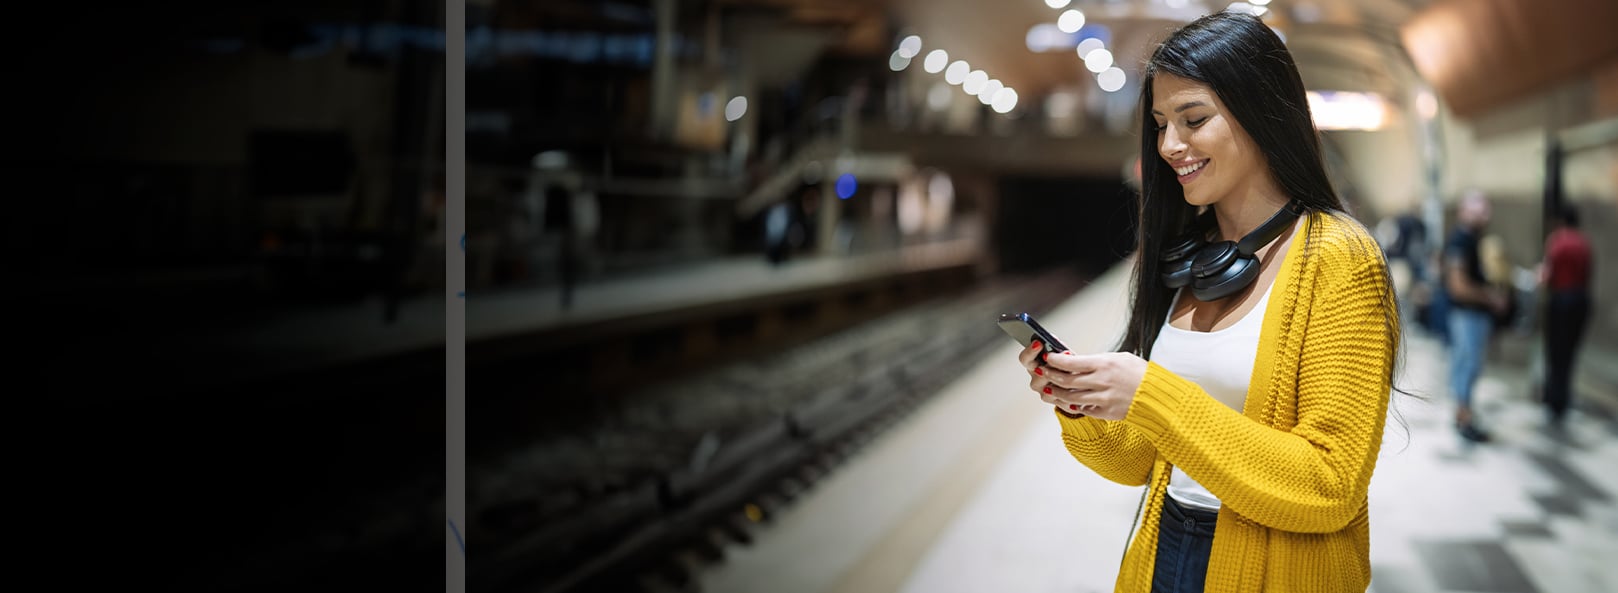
[1039,381]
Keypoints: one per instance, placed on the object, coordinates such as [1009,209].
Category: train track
[646,492]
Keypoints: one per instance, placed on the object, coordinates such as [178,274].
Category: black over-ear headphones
[1218,270]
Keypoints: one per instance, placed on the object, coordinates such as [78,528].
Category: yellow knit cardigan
[1293,468]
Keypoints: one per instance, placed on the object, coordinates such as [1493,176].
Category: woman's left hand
[1103,385]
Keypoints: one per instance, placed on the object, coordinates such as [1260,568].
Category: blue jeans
[1468,343]
[1184,539]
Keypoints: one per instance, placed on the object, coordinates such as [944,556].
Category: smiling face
[1212,156]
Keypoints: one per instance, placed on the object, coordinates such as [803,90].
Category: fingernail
[1045,356]
[1047,391]
[1068,352]
[1074,407]
[1036,345]
[1039,371]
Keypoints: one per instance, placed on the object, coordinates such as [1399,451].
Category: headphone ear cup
[1227,282]
[1225,268]
[1177,273]
[1177,262]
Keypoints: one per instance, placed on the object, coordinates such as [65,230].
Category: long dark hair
[1251,71]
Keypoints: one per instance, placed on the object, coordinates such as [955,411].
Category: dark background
[145,143]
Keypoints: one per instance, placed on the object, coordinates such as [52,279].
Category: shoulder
[1340,240]
[1574,237]
[1563,241]
[1583,241]
[1345,262]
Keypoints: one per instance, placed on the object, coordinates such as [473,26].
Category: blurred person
[1413,246]
[559,218]
[1474,304]
[1566,275]
[787,227]
[1251,388]
[1497,271]
[1404,238]
[778,223]
[1414,249]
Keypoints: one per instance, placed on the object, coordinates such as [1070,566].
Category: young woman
[1250,390]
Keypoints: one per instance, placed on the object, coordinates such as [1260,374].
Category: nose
[1171,145]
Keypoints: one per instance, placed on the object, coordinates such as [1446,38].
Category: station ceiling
[1477,54]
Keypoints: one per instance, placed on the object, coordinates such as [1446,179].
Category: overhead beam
[1483,54]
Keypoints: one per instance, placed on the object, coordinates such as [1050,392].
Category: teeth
[1183,171]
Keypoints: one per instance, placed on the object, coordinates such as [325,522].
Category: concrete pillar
[663,69]
[831,210]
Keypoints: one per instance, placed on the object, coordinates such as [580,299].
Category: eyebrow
[1182,107]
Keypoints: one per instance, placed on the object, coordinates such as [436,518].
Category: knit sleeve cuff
[1078,426]
[1157,400]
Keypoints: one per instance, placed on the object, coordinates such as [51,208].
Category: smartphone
[1024,329]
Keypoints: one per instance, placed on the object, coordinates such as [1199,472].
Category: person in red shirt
[1566,277]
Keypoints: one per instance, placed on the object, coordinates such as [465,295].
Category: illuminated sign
[1343,110]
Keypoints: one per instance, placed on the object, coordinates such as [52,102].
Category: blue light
[1095,30]
[705,105]
[846,186]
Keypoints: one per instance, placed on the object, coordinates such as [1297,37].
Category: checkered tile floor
[1534,510]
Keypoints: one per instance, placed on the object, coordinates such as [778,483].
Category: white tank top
[1221,362]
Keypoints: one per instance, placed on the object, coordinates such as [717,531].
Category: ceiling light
[1005,100]
[910,46]
[1098,61]
[898,61]
[974,82]
[1337,110]
[1426,104]
[1070,21]
[986,94]
[1111,79]
[1089,44]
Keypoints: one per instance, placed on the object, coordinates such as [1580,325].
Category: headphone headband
[1271,228]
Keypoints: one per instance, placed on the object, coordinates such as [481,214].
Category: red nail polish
[1047,391]
[1067,352]
[1036,345]
[1039,371]
[1074,407]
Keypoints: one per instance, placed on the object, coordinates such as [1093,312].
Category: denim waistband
[1198,522]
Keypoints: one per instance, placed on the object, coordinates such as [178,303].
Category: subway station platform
[294,342]
[975,492]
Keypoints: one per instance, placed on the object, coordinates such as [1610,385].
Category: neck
[1239,216]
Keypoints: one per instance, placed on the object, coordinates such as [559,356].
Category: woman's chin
[1196,200]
